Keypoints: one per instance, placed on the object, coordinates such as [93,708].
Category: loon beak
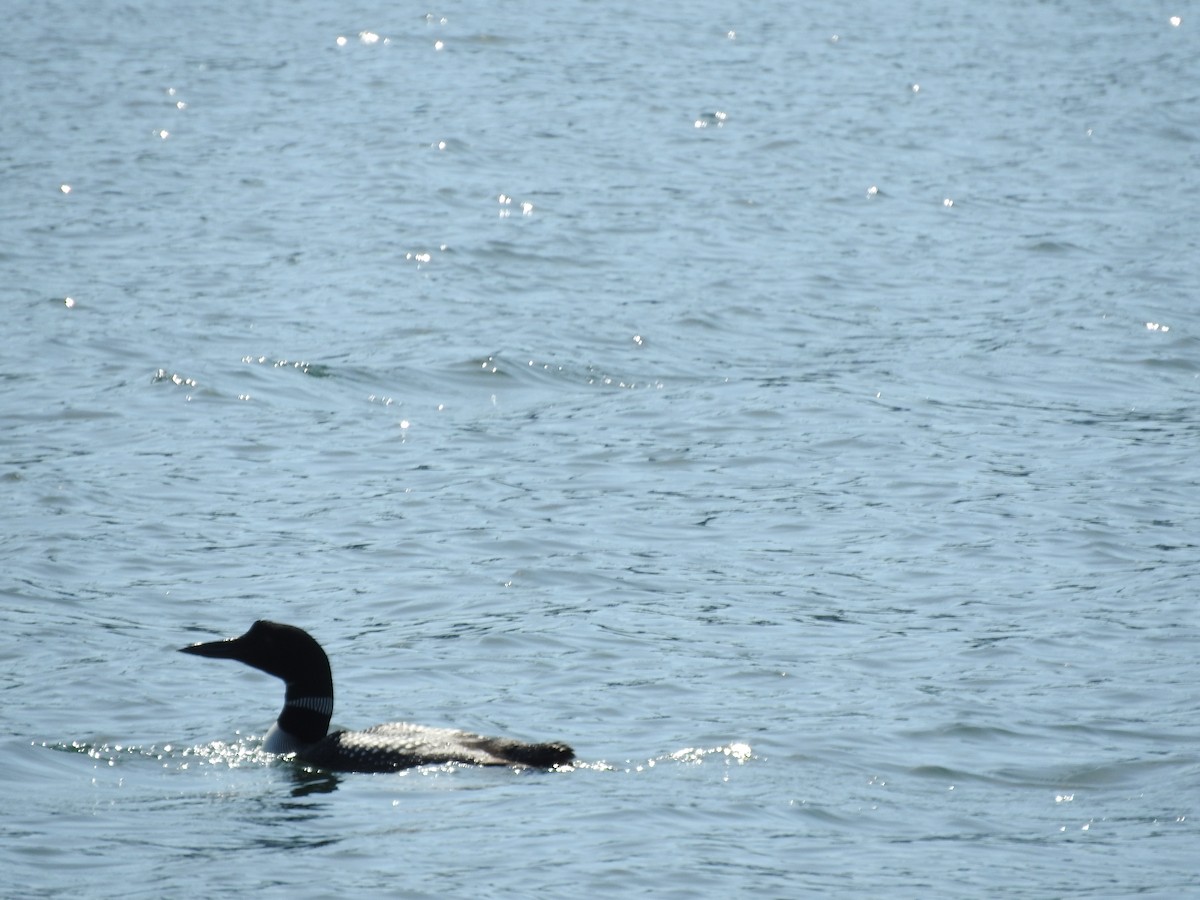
[227,649]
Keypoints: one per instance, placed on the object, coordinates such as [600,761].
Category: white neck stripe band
[322,705]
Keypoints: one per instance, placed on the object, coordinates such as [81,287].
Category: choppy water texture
[792,406]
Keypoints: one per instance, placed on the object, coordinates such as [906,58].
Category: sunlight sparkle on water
[369,38]
[175,378]
[506,201]
[737,752]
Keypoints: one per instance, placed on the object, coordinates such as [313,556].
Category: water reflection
[308,781]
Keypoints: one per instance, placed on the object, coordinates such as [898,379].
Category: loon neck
[304,719]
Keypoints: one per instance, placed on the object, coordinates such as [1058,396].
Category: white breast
[280,741]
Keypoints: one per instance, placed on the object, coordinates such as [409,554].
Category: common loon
[287,652]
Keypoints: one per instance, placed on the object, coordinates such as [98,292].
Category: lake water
[793,406]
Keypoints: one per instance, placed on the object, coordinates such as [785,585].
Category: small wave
[184,381]
[316,370]
[735,753]
[535,371]
[220,754]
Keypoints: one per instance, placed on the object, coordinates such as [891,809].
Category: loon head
[292,654]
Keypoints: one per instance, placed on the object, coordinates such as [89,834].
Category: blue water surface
[792,406]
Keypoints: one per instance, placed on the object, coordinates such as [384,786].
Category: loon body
[302,728]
